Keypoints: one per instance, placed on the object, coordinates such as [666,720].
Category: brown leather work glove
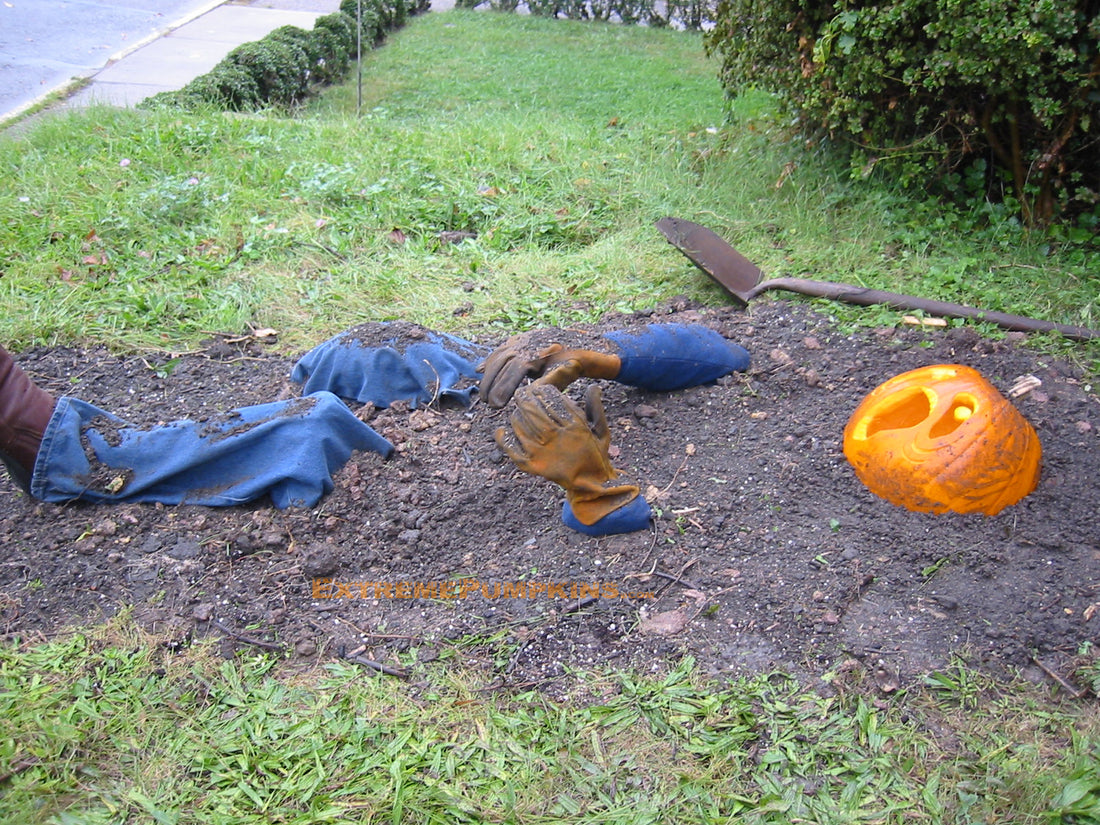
[552,437]
[552,355]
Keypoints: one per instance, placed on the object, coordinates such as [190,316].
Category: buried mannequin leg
[66,449]
[287,450]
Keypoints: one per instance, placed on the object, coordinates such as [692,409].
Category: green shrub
[687,14]
[309,44]
[336,36]
[372,19]
[1003,94]
[228,86]
[279,69]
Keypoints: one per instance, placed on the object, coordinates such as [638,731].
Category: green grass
[119,727]
[558,143]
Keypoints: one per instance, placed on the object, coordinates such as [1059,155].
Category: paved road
[45,44]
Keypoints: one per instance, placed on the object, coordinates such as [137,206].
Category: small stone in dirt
[185,549]
[151,545]
[85,546]
[885,678]
[420,420]
[320,562]
[106,527]
[203,612]
[273,538]
[664,624]
[306,647]
[812,378]
[645,411]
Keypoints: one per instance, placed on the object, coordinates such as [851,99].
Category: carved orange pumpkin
[940,439]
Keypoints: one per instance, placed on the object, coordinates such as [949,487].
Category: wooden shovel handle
[868,297]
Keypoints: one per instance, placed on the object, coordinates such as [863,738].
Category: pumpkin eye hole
[907,409]
[962,408]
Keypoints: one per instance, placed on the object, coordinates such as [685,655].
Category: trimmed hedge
[287,65]
[694,15]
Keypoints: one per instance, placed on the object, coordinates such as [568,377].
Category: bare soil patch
[768,553]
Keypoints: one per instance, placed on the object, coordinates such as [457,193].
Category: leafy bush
[335,36]
[281,69]
[686,14]
[369,13]
[228,86]
[1003,94]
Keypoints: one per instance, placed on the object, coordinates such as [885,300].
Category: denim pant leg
[285,449]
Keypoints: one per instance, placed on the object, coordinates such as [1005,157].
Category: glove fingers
[596,416]
[491,367]
[507,441]
[593,409]
[562,374]
[530,423]
[501,380]
[557,407]
[512,447]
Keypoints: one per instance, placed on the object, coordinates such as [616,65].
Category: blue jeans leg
[287,450]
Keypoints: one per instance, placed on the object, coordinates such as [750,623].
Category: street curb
[76,83]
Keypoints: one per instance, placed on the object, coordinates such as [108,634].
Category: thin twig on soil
[582,604]
[675,579]
[240,637]
[378,666]
[1070,689]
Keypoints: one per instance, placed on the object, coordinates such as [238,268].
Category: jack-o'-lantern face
[940,439]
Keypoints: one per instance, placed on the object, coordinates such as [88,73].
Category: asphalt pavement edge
[75,83]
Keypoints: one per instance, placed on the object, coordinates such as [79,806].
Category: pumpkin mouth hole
[906,410]
[962,408]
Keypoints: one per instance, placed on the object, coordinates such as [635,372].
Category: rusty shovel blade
[717,259]
[743,280]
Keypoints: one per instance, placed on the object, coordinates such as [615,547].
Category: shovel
[742,279]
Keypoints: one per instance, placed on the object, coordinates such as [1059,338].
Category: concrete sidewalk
[192,47]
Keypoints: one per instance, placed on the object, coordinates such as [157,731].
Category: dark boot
[25,411]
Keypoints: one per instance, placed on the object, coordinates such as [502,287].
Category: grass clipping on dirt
[117,726]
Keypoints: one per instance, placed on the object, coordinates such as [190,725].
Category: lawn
[547,150]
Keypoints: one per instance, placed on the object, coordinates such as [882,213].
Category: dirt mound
[767,552]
